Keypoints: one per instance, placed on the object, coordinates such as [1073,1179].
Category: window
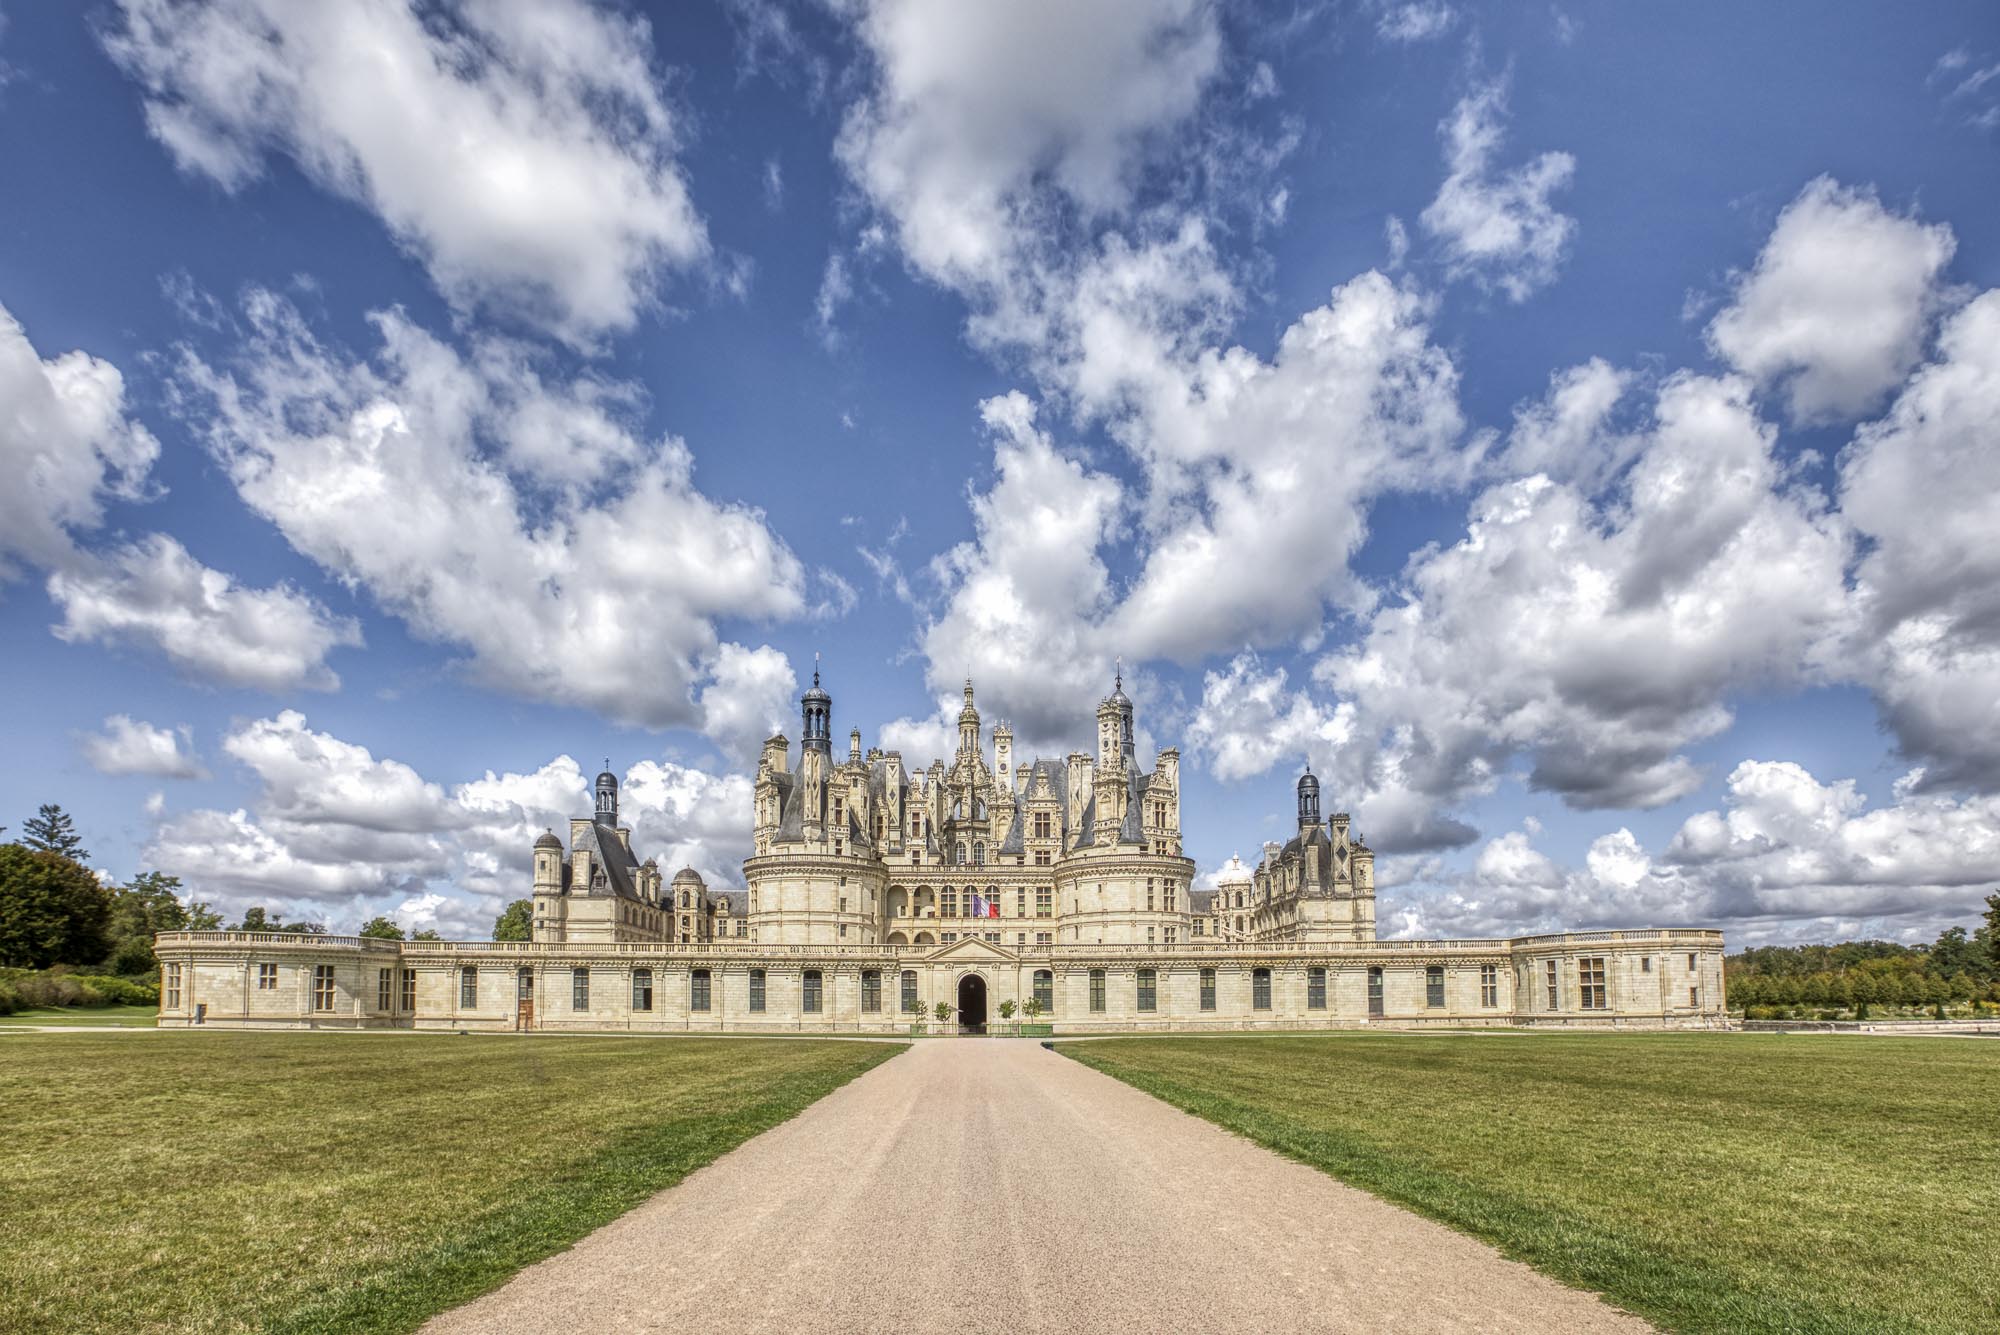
[1690,963]
[1021,939]
[642,989]
[1041,857]
[994,937]
[1020,901]
[1645,964]
[468,988]
[1045,990]
[1042,825]
[698,990]
[1149,934]
[1097,991]
[1042,938]
[384,988]
[409,989]
[1044,901]
[1260,989]
[171,975]
[871,991]
[1167,893]
[579,989]
[1149,894]
[949,937]
[1694,996]
[811,991]
[1554,982]
[1148,990]
[267,978]
[757,990]
[322,987]
[1208,989]
[1434,985]
[1590,983]
[1170,935]
[948,902]
[1489,985]
[1315,989]
[909,991]
[1196,929]
[979,855]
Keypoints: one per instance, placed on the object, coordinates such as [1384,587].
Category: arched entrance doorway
[972,1004]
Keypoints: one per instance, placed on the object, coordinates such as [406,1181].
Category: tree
[1007,1009]
[1991,931]
[382,929]
[141,908]
[255,919]
[52,910]
[50,830]
[942,1010]
[1032,1008]
[425,934]
[516,923]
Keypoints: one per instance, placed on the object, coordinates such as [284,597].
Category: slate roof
[608,851]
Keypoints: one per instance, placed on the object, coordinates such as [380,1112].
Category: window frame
[642,991]
[1316,988]
[907,993]
[409,990]
[871,991]
[759,992]
[468,987]
[701,991]
[267,976]
[1097,991]
[1208,989]
[1489,985]
[1260,989]
[1434,994]
[322,989]
[812,992]
[1146,991]
[1593,983]
[1043,989]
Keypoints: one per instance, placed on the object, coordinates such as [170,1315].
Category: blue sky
[1568,426]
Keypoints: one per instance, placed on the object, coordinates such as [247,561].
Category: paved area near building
[991,1185]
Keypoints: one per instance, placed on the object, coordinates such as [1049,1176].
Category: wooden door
[524,1014]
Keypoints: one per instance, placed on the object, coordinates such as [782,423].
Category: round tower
[1308,799]
[816,708]
[607,797]
[548,915]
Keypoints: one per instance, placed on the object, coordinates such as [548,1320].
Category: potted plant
[943,1012]
[1032,1008]
[1007,1011]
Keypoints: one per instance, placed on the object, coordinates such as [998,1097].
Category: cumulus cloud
[597,584]
[335,833]
[1497,227]
[1248,721]
[1834,312]
[67,446]
[1923,486]
[155,594]
[544,181]
[133,746]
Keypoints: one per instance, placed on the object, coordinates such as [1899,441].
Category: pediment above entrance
[971,950]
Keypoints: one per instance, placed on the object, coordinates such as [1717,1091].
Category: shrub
[10,1000]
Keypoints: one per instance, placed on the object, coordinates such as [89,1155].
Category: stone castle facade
[875,891]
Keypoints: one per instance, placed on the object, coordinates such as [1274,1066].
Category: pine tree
[50,830]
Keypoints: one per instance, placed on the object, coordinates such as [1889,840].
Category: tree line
[1960,968]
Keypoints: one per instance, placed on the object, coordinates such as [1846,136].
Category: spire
[815,667]
[1118,674]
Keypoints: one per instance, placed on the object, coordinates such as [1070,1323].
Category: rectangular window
[1645,964]
[1489,985]
[1020,901]
[1168,901]
[1045,903]
[171,975]
[1148,990]
[1041,825]
[1045,990]
[1149,894]
[1208,989]
[1694,996]
[757,990]
[909,991]
[1149,934]
[1590,984]
[642,989]
[948,902]
[1434,985]
[1260,989]
[698,990]
[384,988]
[409,989]
[948,938]
[1553,980]
[871,991]
[1170,935]
[994,937]
[810,991]
[1041,857]
[1041,938]
[1690,963]
[322,987]
[267,978]
[1097,991]
[468,988]
[579,989]
[1316,989]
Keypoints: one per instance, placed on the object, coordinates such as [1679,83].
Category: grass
[1707,1182]
[124,1017]
[337,1183]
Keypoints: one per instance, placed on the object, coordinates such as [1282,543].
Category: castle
[1053,889]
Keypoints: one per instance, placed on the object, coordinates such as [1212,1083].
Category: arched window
[579,989]
[1316,989]
[1434,985]
[871,991]
[1239,899]
[1260,989]
[979,855]
[1148,990]
[468,988]
[1097,991]
[1045,990]
[810,992]
[698,990]
[642,989]
[960,853]
[909,991]
[757,990]
[1208,989]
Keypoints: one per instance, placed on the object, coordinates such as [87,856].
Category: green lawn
[1714,1182]
[125,1017]
[337,1183]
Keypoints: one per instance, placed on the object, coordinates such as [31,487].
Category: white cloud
[525,154]
[154,593]
[1498,228]
[1599,638]
[1835,310]
[1248,722]
[66,447]
[133,746]
[337,834]
[1923,486]
[597,584]
[1415,22]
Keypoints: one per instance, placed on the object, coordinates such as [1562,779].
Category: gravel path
[974,1186]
